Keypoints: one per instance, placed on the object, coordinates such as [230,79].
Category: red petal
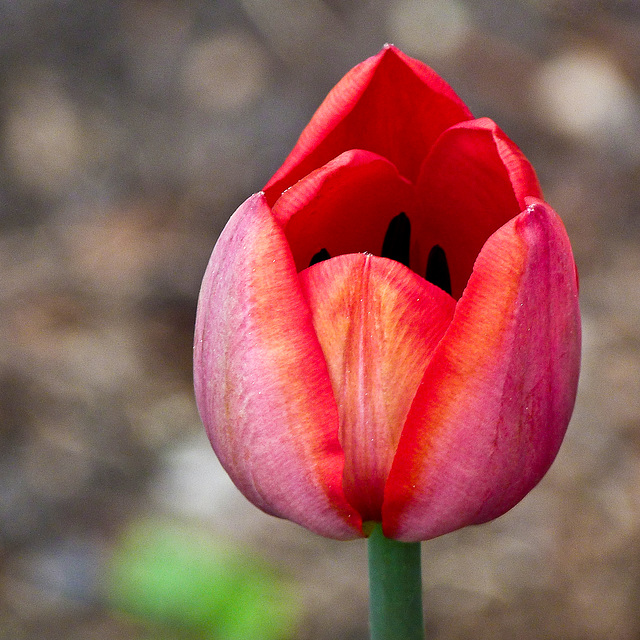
[473,181]
[389,104]
[496,399]
[261,380]
[378,324]
[343,207]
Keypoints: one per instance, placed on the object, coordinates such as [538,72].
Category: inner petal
[378,324]
[344,207]
[472,182]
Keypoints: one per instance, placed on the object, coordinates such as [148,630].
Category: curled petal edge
[475,170]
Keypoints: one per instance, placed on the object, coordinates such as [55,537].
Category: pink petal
[495,401]
[473,181]
[389,104]
[378,324]
[343,207]
[261,381]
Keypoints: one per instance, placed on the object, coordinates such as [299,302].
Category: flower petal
[389,104]
[343,207]
[378,324]
[495,401]
[472,182]
[261,381]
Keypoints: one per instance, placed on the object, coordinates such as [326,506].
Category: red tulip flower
[390,331]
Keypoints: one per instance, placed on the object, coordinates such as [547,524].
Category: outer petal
[390,104]
[344,206]
[472,182]
[378,324]
[497,396]
[261,381]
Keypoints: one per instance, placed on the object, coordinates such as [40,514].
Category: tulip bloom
[390,331]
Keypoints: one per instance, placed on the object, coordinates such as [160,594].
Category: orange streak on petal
[378,324]
[496,399]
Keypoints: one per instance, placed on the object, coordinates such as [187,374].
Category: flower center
[438,269]
[321,256]
[398,240]
[396,246]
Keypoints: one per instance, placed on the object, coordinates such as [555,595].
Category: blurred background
[129,133]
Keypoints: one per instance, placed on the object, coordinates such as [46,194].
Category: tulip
[389,332]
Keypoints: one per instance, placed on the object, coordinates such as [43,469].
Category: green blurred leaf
[180,578]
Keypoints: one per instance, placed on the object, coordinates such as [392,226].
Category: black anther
[438,269]
[398,239]
[322,255]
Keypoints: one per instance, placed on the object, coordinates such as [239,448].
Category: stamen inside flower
[322,255]
[398,239]
[438,269]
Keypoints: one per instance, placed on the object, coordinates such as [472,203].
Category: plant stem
[395,588]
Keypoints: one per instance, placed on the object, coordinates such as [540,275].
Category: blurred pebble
[428,28]
[615,288]
[28,261]
[156,33]
[56,467]
[122,251]
[113,253]
[467,571]
[190,482]
[54,578]
[19,512]
[89,358]
[583,95]
[588,446]
[601,605]
[43,134]
[299,31]
[166,419]
[224,72]
[491,73]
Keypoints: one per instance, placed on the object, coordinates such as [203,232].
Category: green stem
[395,588]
